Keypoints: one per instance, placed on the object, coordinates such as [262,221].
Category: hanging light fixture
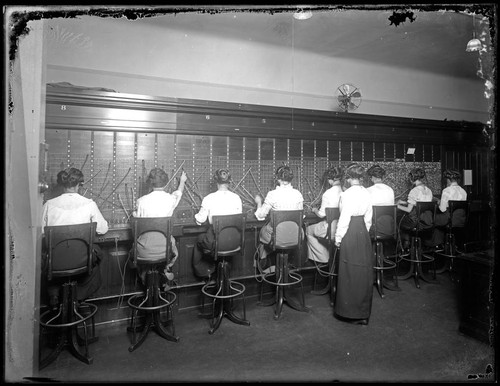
[301,14]
[474,44]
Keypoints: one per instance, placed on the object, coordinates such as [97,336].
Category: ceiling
[434,41]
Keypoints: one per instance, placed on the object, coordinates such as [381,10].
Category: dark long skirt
[355,278]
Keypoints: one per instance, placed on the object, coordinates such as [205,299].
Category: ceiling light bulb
[474,45]
[302,15]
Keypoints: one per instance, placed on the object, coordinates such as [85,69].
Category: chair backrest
[426,213]
[141,225]
[287,229]
[384,221]
[69,249]
[332,214]
[459,213]
[229,233]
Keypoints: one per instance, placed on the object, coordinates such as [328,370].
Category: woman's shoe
[363,322]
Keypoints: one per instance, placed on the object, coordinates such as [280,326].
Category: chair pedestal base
[152,303]
[223,291]
[68,318]
[448,253]
[283,279]
[331,272]
[416,257]
[382,264]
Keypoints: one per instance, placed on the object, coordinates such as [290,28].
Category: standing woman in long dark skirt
[353,302]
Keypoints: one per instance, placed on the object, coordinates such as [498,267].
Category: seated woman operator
[70,208]
[381,195]
[455,192]
[158,203]
[317,250]
[218,203]
[407,217]
[284,197]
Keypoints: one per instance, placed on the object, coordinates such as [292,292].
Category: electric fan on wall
[348,97]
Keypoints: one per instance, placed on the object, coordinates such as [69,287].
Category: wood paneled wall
[117,138]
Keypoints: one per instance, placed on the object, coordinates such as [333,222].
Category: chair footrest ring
[446,254]
[141,298]
[236,287]
[388,264]
[291,275]
[81,319]
[324,273]
[425,259]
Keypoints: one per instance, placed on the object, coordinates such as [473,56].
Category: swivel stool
[69,257]
[457,221]
[286,236]
[329,269]
[416,255]
[153,300]
[384,232]
[229,231]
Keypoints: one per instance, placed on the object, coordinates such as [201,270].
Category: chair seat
[383,238]
[150,261]
[229,253]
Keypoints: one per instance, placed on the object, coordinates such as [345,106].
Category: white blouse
[219,203]
[72,209]
[330,199]
[157,204]
[419,193]
[453,192]
[382,194]
[355,201]
[284,197]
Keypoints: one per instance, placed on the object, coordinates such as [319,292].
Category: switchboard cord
[399,245]
[320,270]
[122,274]
[256,257]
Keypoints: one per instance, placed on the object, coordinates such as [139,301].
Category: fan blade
[352,106]
[342,98]
[356,94]
[342,91]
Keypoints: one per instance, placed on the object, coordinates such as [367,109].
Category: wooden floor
[412,336]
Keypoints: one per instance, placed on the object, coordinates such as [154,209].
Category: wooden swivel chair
[330,269]
[69,256]
[459,214]
[384,232]
[417,257]
[229,231]
[154,300]
[283,240]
